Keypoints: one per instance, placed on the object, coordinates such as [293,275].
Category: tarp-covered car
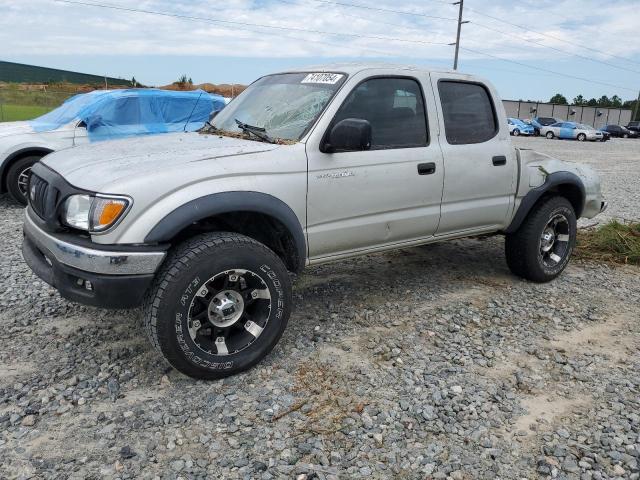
[97,116]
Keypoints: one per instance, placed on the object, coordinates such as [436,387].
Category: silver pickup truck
[304,167]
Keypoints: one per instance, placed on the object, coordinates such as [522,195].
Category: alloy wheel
[229,312]
[555,241]
[23,181]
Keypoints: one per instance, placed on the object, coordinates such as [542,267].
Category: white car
[94,116]
[571,130]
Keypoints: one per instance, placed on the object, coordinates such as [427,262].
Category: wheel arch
[565,184]
[15,156]
[260,216]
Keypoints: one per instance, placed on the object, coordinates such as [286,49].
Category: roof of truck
[355,67]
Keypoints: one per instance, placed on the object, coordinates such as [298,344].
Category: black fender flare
[17,154]
[531,198]
[226,202]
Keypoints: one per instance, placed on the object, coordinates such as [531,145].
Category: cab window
[468,111]
[395,109]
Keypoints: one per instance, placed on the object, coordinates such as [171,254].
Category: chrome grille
[38,191]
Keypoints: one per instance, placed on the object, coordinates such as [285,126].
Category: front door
[567,131]
[480,162]
[387,194]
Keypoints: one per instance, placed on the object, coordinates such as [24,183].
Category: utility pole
[457,44]
[635,108]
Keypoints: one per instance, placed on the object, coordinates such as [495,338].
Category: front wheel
[549,135]
[516,132]
[540,249]
[626,135]
[18,178]
[582,137]
[218,306]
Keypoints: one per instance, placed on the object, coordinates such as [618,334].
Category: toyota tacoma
[203,229]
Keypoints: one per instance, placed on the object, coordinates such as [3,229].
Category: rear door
[480,162]
[389,194]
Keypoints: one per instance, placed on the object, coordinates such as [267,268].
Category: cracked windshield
[282,107]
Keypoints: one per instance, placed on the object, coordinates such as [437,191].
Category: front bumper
[91,276]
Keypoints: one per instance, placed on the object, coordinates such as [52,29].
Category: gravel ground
[430,362]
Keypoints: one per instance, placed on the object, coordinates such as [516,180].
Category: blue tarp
[110,114]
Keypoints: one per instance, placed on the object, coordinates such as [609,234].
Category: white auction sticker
[326,78]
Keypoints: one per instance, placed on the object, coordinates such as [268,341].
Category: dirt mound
[224,89]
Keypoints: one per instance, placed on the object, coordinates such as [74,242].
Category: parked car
[571,130]
[95,116]
[620,132]
[634,126]
[605,135]
[539,123]
[347,160]
[518,127]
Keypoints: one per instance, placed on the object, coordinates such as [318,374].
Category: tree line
[604,101]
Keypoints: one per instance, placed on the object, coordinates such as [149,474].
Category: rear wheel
[549,135]
[541,248]
[18,178]
[582,137]
[218,306]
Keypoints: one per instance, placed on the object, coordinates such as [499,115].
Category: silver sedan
[571,130]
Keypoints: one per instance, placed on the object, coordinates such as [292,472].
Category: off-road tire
[14,174]
[522,248]
[549,135]
[184,273]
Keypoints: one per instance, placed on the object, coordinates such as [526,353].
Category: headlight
[94,214]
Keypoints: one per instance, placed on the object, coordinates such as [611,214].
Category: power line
[522,27]
[547,70]
[322,42]
[385,10]
[245,24]
[444,2]
[248,24]
[552,48]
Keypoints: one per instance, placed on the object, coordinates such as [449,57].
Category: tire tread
[177,262]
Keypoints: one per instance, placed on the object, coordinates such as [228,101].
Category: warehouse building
[20,73]
[595,116]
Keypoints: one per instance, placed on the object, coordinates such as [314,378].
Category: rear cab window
[468,111]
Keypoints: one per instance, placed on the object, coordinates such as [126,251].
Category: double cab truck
[203,229]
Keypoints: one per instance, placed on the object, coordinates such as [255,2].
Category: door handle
[426,168]
[499,160]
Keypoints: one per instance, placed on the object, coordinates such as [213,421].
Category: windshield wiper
[259,132]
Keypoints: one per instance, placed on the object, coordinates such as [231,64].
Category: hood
[14,128]
[91,166]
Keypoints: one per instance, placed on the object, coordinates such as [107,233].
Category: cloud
[48,27]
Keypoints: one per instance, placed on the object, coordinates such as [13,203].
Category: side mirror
[350,134]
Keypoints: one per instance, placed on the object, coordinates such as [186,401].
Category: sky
[236,41]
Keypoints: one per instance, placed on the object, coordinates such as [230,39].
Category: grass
[613,242]
[18,104]
[14,113]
